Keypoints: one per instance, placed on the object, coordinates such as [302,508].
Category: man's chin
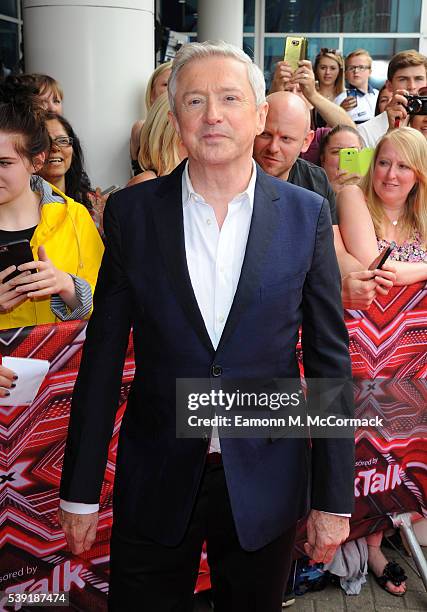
[272,168]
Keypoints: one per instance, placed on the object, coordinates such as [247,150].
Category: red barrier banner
[388,346]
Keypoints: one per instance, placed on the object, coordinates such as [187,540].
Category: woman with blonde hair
[390,206]
[328,68]
[157,84]
[161,149]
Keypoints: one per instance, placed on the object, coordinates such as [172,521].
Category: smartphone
[379,261]
[295,50]
[353,160]
[110,189]
[15,254]
[352,93]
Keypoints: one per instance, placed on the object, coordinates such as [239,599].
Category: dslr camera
[417,105]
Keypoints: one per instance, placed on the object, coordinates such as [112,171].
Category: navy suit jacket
[289,278]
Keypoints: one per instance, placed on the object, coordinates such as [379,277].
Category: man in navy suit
[215,267]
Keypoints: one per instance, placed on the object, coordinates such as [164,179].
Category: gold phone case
[295,50]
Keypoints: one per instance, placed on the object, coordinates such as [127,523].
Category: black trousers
[149,577]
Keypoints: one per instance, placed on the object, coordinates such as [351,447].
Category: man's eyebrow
[193,92]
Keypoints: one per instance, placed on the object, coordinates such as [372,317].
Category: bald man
[286,134]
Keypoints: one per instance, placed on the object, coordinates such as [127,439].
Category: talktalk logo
[60,580]
[369,482]
[14,477]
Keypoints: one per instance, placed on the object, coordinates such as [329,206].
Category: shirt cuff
[336,513]
[84,296]
[78,507]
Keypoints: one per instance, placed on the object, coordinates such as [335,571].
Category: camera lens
[414,105]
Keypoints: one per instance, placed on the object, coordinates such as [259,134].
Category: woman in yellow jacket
[67,249]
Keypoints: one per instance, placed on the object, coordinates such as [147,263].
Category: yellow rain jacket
[72,243]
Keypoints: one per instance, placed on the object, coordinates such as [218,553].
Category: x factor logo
[14,476]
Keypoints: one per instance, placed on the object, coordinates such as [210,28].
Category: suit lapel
[263,224]
[168,219]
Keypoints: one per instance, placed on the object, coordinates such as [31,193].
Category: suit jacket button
[216,370]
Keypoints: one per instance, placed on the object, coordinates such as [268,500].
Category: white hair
[210,48]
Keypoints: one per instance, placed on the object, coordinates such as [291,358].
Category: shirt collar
[190,195]
[44,189]
[359,92]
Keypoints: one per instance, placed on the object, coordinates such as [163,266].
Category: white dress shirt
[214,260]
[215,257]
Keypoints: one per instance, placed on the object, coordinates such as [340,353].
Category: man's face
[216,115]
[283,139]
[411,78]
[358,71]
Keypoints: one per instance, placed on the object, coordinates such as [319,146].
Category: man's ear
[262,111]
[174,121]
[38,161]
[388,86]
[307,141]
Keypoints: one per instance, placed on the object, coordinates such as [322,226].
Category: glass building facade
[383,27]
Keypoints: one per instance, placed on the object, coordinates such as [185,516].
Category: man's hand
[349,103]
[79,529]
[396,109]
[325,532]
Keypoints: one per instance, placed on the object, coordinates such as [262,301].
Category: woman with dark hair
[384,96]
[340,137]
[66,247]
[64,165]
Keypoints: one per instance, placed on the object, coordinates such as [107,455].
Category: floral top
[412,250]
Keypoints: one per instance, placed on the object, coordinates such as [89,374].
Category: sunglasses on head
[333,51]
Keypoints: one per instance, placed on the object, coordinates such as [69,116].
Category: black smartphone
[379,261]
[15,254]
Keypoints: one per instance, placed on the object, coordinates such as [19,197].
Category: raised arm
[304,77]
[331,112]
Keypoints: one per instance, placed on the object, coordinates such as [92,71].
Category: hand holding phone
[350,101]
[379,261]
[14,254]
[295,50]
[354,161]
[110,189]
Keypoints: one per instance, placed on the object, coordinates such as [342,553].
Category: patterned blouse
[412,250]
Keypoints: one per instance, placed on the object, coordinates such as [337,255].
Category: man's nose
[213,111]
[273,145]
[412,87]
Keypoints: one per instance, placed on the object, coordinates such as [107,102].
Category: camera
[417,105]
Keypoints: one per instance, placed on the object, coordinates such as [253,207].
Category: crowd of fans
[47,198]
